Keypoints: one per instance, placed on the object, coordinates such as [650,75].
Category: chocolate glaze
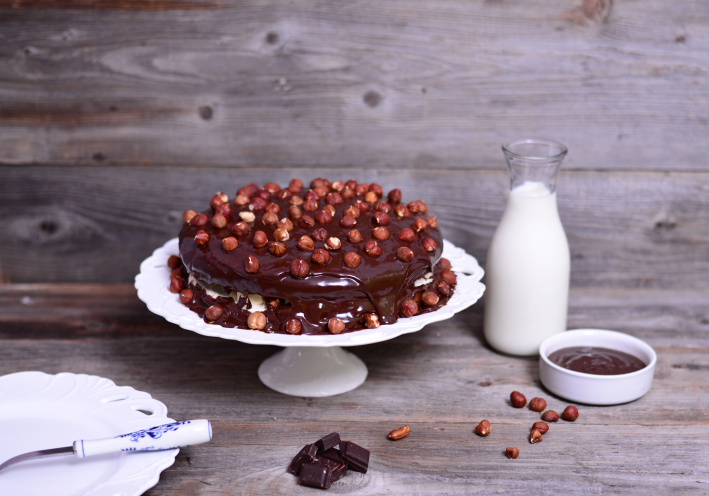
[378,285]
[597,361]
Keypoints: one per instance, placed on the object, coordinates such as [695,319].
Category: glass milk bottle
[528,260]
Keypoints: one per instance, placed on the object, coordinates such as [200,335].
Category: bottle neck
[534,162]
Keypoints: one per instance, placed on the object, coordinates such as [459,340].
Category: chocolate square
[331,458]
[327,442]
[356,457]
[315,476]
[306,455]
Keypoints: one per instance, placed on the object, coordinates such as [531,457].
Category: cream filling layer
[258,304]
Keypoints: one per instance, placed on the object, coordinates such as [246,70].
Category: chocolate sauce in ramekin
[596,361]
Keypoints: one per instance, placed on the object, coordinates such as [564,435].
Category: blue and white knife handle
[161,437]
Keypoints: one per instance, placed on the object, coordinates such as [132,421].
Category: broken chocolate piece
[327,442]
[331,458]
[315,476]
[356,457]
[306,455]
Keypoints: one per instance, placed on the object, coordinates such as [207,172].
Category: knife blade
[160,437]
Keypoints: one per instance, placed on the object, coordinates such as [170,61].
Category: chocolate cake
[335,258]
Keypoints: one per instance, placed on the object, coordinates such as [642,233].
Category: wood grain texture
[410,84]
[441,381]
[625,229]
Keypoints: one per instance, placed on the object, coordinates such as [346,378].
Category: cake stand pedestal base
[313,372]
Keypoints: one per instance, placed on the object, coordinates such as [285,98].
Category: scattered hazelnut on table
[213,313]
[570,413]
[542,427]
[256,320]
[516,398]
[230,243]
[550,416]
[335,325]
[186,296]
[512,453]
[535,436]
[399,433]
[483,428]
[537,404]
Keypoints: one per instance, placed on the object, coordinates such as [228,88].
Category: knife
[160,437]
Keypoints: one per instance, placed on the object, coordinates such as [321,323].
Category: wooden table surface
[441,381]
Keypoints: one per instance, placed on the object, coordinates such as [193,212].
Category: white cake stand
[310,365]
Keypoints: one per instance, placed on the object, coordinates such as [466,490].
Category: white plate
[154,279]
[40,411]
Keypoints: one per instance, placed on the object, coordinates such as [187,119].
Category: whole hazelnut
[542,427]
[320,256]
[483,428]
[402,211]
[295,200]
[321,191]
[247,216]
[273,302]
[419,225]
[376,189]
[249,190]
[329,208]
[371,320]
[188,215]
[362,206]
[354,236]
[517,399]
[306,243]
[332,243]
[348,221]
[241,200]
[201,238]
[176,284]
[296,185]
[310,205]
[251,264]
[335,325]
[429,298]
[429,244]
[352,211]
[219,221]
[285,223]
[284,194]
[432,222]
[448,277]
[200,220]
[213,313]
[272,188]
[512,453]
[444,264]
[256,320]
[294,212]
[409,308]
[347,193]
[323,217]
[260,239]
[281,234]
[394,195]
[337,186]
[311,195]
[224,210]
[361,189]
[186,296]
[273,207]
[380,233]
[277,249]
[225,201]
[333,199]
[405,254]
[351,184]
[269,218]
[370,197]
[570,413]
[257,203]
[306,222]
[423,208]
[319,234]
[372,248]
[176,272]
[241,229]
[550,416]
[293,326]
[352,260]
[380,219]
[319,183]
[217,200]
[443,289]
[414,207]
[382,207]
[262,193]
[535,436]
[407,235]
[230,243]
[173,261]
[537,404]
[299,268]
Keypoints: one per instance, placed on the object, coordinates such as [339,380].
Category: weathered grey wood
[73,224]
[441,381]
[410,84]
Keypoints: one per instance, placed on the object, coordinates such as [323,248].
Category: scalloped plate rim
[154,275]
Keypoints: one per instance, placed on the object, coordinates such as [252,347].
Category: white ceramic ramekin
[596,389]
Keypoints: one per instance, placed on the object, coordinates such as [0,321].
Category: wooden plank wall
[117,115]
